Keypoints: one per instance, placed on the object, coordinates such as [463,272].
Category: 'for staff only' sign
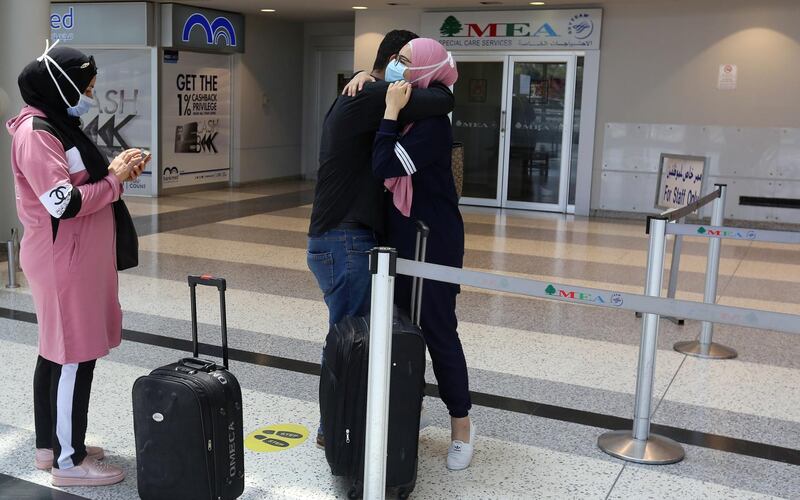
[680,180]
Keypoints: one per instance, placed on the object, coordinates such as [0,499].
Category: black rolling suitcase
[187,421]
[343,394]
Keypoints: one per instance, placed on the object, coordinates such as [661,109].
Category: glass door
[479,124]
[540,104]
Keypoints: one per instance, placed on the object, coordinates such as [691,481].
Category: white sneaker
[460,453]
[424,418]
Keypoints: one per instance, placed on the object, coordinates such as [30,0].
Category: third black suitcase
[187,422]
[343,392]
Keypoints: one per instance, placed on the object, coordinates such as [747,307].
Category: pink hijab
[430,62]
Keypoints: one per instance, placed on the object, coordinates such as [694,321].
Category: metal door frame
[566,137]
[501,154]
[509,59]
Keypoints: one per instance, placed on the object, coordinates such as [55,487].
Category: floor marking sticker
[276,437]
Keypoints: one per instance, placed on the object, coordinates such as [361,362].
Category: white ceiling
[316,10]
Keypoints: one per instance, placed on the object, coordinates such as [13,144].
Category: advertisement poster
[122,115]
[196,120]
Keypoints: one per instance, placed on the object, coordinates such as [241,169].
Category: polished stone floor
[547,377]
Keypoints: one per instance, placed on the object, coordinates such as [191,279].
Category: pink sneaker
[44,456]
[91,472]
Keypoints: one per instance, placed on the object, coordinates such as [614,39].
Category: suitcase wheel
[354,493]
[403,493]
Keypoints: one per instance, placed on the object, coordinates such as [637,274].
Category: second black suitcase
[187,421]
[343,393]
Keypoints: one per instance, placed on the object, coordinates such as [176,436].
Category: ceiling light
[359,7]
[537,3]
[267,10]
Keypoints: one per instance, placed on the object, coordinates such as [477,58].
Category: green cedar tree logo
[550,290]
[450,26]
[702,230]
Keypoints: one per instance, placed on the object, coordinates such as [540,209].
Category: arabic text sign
[680,180]
[577,29]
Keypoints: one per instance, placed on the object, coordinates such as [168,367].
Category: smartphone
[145,155]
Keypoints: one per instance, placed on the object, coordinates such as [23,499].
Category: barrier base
[657,450]
[12,286]
[706,351]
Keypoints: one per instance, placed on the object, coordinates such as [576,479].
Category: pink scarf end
[402,193]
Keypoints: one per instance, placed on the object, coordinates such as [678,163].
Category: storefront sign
[196,121]
[128,23]
[185,27]
[515,30]
[122,115]
[680,180]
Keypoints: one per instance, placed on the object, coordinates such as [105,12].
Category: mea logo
[579,296]
[581,26]
[452,27]
[219,27]
[724,233]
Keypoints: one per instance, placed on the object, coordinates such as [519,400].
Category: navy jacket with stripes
[425,153]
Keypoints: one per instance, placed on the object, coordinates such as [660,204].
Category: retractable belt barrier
[734,233]
[705,347]
[753,318]
[679,215]
[638,445]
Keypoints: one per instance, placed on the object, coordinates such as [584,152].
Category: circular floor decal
[276,437]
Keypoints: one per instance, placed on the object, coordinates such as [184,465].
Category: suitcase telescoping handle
[219,283]
[416,287]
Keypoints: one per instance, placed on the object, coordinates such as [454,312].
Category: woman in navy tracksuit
[416,163]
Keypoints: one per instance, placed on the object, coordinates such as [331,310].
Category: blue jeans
[339,260]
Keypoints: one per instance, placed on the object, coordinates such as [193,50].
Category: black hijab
[39,90]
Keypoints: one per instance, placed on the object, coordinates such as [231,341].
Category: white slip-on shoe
[44,456]
[460,453]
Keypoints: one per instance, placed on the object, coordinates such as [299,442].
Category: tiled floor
[549,376]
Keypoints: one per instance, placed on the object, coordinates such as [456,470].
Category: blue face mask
[394,71]
[85,103]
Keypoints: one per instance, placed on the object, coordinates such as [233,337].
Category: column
[23,30]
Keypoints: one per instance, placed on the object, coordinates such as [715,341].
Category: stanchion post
[639,445]
[705,347]
[12,264]
[674,268]
[15,239]
[383,264]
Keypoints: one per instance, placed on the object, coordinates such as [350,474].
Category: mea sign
[522,30]
[452,27]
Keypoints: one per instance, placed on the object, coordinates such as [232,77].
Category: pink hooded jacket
[70,266]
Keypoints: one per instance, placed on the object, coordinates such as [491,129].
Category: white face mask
[84,103]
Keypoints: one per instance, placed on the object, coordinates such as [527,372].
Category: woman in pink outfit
[65,192]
